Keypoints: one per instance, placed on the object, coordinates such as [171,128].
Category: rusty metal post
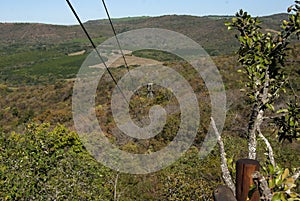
[244,170]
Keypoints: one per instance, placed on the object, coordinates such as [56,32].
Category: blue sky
[57,11]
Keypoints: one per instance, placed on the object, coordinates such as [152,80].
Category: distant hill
[208,31]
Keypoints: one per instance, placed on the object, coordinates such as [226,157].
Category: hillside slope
[208,31]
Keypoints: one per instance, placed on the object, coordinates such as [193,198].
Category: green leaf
[282,111]
[229,27]
[278,180]
[271,183]
[252,190]
[276,196]
[283,197]
[241,12]
[285,173]
[270,106]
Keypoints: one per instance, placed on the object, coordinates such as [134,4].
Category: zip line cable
[100,57]
[118,42]
[95,48]
[115,33]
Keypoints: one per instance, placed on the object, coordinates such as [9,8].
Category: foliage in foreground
[282,183]
[45,163]
[48,164]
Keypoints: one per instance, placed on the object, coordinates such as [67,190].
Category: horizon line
[118,18]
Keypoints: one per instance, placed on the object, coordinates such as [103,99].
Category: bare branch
[262,184]
[275,116]
[226,174]
[296,175]
[115,187]
[270,149]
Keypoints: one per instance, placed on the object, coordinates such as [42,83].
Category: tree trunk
[252,143]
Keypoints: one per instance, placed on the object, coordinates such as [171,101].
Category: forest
[43,157]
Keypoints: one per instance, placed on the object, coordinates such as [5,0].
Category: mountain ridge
[208,31]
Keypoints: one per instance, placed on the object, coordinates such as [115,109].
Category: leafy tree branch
[263,56]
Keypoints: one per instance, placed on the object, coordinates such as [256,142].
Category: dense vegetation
[42,157]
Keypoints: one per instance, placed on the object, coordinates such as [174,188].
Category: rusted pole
[244,170]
